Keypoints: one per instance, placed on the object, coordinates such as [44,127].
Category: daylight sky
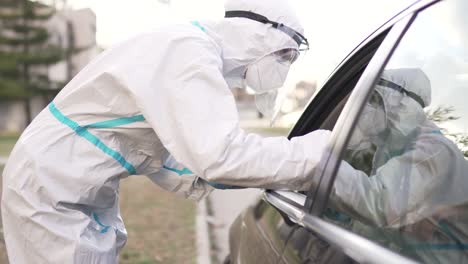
[333,27]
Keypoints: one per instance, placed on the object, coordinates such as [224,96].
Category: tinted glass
[404,179]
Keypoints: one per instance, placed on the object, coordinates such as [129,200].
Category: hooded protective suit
[145,107]
[414,197]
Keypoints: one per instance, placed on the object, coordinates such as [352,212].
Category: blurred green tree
[442,114]
[26,52]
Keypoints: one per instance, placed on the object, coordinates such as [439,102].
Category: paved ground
[226,206]
[203,236]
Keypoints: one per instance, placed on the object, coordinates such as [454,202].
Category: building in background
[70,29]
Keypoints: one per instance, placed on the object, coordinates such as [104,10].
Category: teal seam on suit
[105,228]
[84,133]
[197,24]
[116,122]
[184,171]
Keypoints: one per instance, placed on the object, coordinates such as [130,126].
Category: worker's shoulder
[182,35]
[172,43]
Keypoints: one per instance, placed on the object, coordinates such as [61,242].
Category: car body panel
[259,234]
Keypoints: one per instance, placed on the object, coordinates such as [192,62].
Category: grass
[160,226]
[211,234]
[3,255]
[7,142]
[270,131]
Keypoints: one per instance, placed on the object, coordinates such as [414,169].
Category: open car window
[326,107]
[404,179]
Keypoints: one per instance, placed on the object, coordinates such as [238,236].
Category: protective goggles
[376,100]
[301,41]
[396,87]
[286,55]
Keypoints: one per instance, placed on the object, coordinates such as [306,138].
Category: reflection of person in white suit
[418,183]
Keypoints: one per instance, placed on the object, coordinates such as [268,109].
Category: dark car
[401,195]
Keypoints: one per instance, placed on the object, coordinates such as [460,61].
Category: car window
[404,179]
[304,246]
[326,107]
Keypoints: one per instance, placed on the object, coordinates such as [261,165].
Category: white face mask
[265,77]
[236,78]
[372,122]
[267,74]
[267,103]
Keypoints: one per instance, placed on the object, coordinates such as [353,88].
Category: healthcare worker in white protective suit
[414,197]
[158,105]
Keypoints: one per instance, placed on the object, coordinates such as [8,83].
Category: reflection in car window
[404,180]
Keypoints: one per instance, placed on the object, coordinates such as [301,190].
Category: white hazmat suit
[145,107]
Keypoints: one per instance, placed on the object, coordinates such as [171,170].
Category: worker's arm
[193,112]
[402,190]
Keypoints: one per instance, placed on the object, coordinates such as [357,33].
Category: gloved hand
[314,145]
